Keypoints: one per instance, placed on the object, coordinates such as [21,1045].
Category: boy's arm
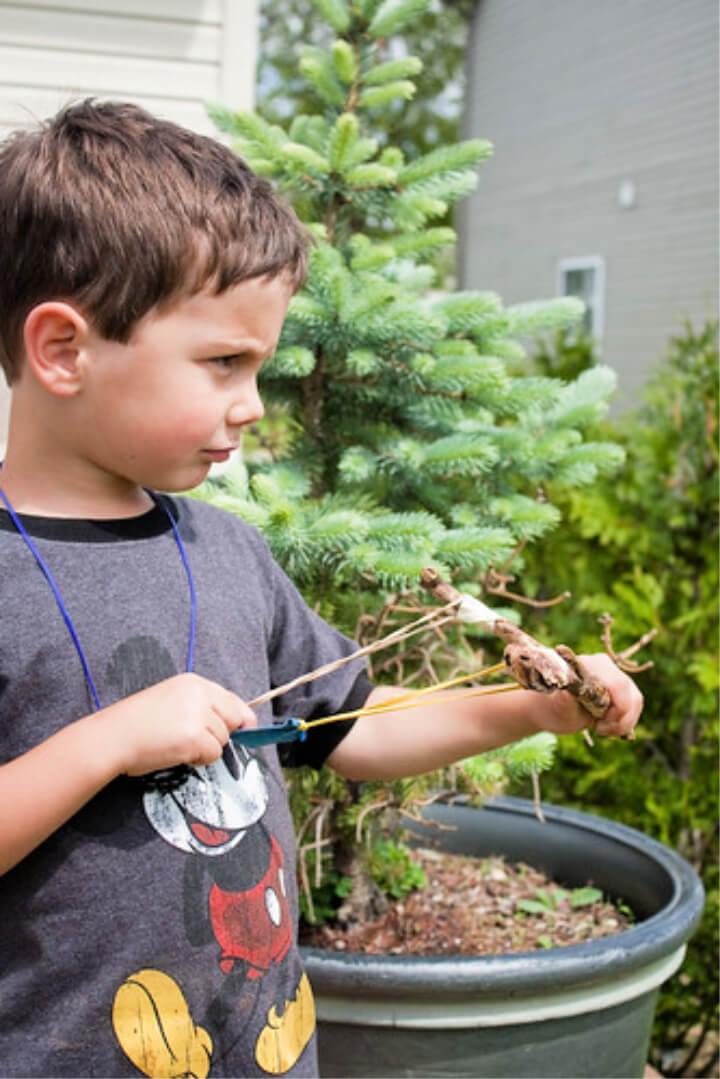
[403,743]
[184,720]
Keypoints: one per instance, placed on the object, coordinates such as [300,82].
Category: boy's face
[164,407]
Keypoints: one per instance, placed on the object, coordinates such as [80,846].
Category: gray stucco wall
[578,97]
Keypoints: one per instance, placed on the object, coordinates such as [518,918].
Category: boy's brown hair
[119,212]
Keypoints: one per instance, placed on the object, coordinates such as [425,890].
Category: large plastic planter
[585,1010]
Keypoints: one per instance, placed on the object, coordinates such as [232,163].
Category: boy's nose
[246,408]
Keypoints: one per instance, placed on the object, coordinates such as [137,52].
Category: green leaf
[294,361]
[306,157]
[704,669]
[393,70]
[459,455]
[343,140]
[532,906]
[584,897]
[446,159]
[375,97]
[586,399]
[335,12]
[370,175]
[533,318]
[318,68]
[467,312]
[344,61]
[393,15]
[536,753]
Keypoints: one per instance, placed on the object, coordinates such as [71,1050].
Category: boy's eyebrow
[228,346]
[237,345]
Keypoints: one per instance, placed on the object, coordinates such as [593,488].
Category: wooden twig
[305,884]
[426,822]
[320,809]
[622,659]
[318,844]
[537,805]
[364,812]
[535,603]
[497,580]
[438,615]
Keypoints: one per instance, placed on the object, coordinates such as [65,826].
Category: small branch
[321,810]
[416,816]
[622,659]
[536,795]
[496,581]
[305,883]
[364,812]
[305,880]
[501,590]
[437,614]
[511,558]
[318,844]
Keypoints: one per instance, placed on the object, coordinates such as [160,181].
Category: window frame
[597,303]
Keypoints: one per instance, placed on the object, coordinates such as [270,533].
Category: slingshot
[532,665]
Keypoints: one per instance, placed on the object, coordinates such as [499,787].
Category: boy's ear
[56,338]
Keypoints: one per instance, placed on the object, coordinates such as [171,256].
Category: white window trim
[587,262]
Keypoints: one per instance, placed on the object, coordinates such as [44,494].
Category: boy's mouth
[219,455]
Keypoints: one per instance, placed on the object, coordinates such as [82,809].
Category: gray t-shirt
[155,933]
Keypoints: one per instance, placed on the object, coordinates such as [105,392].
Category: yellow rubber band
[414,700]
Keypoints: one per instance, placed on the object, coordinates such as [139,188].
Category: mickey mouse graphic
[210,814]
[234,893]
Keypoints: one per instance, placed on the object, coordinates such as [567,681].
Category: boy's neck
[45,474]
[38,489]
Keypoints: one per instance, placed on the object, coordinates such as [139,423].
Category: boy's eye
[226,362]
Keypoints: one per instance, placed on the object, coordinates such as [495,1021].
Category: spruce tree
[433,115]
[399,431]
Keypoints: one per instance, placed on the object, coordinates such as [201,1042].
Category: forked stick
[532,664]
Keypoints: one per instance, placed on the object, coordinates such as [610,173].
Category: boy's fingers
[620,719]
[626,700]
[625,697]
[233,711]
[217,727]
[210,749]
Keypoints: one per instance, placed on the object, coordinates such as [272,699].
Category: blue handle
[289,731]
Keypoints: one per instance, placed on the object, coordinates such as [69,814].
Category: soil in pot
[477,906]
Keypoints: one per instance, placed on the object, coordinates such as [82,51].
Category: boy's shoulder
[209,524]
[209,515]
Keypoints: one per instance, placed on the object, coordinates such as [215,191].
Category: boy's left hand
[564,715]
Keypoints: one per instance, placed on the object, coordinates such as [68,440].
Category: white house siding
[578,97]
[170,56]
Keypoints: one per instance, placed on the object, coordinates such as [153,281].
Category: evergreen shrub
[398,434]
[644,547]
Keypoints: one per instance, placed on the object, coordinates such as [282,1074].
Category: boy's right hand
[186,719]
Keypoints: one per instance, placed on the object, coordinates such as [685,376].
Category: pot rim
[580,965]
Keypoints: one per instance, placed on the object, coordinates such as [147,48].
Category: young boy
[148,902]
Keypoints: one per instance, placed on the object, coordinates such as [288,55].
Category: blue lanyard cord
[191,583]
[56,592]
[61,603]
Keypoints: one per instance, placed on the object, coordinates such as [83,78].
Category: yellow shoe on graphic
[284,1037]
[153,1025]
